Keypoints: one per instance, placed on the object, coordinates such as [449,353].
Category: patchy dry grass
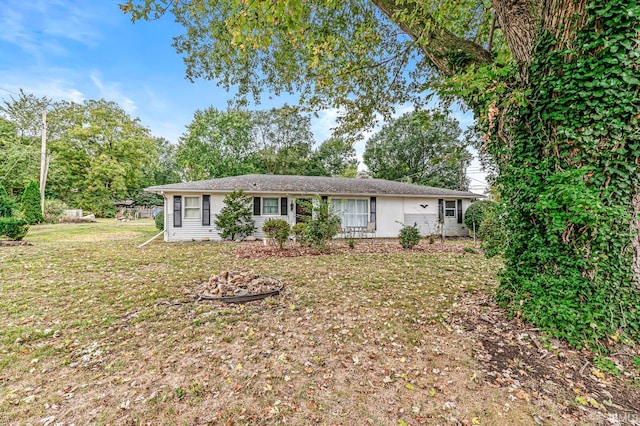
[96,331]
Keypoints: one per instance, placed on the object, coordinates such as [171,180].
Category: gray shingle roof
[310,185]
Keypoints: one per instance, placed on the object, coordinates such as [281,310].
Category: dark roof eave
[312,194]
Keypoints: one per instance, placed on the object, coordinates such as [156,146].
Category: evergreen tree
[30,208]
[235,219]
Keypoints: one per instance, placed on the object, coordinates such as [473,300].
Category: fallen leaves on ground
[96,331]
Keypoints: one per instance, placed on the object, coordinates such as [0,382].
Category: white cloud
[322,125]
[39,27]
[53,88]
[111,91]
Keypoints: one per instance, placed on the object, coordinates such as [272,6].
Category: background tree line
[98,154]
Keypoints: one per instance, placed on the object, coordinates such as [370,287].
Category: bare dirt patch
[542,371]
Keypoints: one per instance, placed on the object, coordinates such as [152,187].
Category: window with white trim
[352,212]
[450,208]
[192,207]
[270,206]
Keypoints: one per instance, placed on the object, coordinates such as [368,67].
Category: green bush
[12,228]
[278,229]
[409,236]
[159,219]
[235,219]
[7,205]
[493,233]
[323,227]
[476,213]
[53,210]
[298,231]
[31,209]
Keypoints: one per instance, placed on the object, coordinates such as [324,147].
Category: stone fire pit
[238,287]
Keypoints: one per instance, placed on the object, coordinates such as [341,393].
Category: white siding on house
[424,212]
[451,226]
[192,229]
[427,223]
[389,216]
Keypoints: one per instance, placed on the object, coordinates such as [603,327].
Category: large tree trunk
[568,163]
[635,229]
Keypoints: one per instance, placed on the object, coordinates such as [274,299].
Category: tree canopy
[217,144]
[96,152]
[277,141]
[422,148]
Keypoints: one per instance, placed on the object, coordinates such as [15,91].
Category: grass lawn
[94,330]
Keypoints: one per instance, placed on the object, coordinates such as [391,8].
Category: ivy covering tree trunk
[569,175]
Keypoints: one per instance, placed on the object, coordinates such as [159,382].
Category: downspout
[164,213]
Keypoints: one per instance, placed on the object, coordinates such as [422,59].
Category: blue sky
[71,50]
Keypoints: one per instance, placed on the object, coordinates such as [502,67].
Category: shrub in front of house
[278,229]
[476,213]
[409,236]
[235,220]
[30,204]
[12,228]
[298,232]
[159,220]
[323,227]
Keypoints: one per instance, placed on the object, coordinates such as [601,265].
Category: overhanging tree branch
[446,51]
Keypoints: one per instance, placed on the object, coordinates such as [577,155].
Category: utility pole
[43,158]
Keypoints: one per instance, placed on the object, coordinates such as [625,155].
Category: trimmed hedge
[12,228]
[278,229]
[31,209]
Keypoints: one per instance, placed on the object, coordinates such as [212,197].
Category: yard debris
[4,243]
[235,283]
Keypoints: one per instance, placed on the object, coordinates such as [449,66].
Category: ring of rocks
[238,287]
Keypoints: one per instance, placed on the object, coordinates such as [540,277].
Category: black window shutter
[441,210]
[283,206]
[206,210]
[177,211]
[459,211]
[372,209]
[256,206]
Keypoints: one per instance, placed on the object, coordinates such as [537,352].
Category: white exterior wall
[424,213]
[391,214]
[193,230]
[260,220]
[389,217]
